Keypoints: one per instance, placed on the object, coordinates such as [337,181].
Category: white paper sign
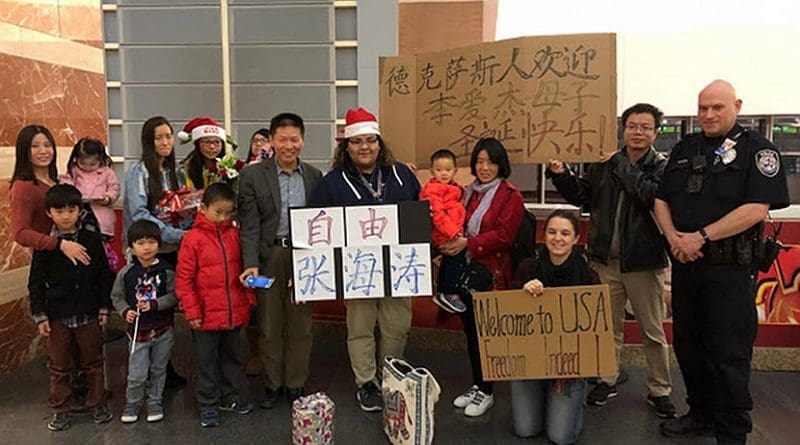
[320,227]
[372,225]
[411,270]
[314,274]
[362,268]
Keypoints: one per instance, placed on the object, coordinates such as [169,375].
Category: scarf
[572,272]
[486,191]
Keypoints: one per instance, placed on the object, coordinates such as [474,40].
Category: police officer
[716,190]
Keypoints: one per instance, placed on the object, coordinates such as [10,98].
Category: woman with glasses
[260,147]
[200,166]
[364,172]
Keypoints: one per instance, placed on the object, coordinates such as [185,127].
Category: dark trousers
[220,366]
[63,345]
[450,272]
[471,331]
[714,325]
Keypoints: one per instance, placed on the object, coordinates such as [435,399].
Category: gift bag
[409,397]
[178,207]
[312,420]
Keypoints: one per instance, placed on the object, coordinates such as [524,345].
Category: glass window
[786,136]
[669,133]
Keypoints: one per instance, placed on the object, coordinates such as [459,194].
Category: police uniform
[714,316]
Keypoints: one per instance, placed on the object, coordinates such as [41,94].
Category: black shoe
[600,394]
[59,422]
[662,406]
[685,425]
[174,380]
[369,397]
[270,397]
[101,414]
[293,394]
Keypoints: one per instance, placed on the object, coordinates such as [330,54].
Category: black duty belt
[737,249]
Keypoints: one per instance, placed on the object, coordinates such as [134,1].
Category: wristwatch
[703,233]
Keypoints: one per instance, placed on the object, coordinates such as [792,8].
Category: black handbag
[476,277]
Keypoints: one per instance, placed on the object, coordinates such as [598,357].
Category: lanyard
[377,194]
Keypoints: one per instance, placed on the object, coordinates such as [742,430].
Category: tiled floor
[625,420]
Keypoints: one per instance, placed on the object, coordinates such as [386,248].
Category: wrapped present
[312,420]
[179,205]
[409,397]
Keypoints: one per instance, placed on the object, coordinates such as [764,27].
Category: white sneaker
[480,404]
[155,417]
[129,418]
[465,399]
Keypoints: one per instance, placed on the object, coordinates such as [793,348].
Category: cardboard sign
[565,333]
[542,97]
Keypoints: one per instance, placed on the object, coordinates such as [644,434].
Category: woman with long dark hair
[365,172]
[34,173]
[148,179]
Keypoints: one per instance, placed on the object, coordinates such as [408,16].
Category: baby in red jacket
[216,303]
[446,198]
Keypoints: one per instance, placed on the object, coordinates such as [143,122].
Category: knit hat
[359,122]
[200,127]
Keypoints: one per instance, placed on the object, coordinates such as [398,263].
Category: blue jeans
[151,358]
[537,406]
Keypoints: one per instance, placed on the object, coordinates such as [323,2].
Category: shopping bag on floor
[312,420]
[409,397]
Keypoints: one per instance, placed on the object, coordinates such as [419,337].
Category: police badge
[726,152]
[768,162]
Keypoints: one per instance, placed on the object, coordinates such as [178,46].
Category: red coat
[447,209]
[492,245]
[207,278]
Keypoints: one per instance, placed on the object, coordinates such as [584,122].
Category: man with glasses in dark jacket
[625,244]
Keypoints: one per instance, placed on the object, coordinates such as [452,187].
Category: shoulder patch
[768,162]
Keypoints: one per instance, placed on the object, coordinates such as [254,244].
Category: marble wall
[52,60]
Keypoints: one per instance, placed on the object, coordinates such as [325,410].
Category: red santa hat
[358,122]
[201,127]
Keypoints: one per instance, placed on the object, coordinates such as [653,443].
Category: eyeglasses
[211,142]
[360,142]
[643,128]
[259,141]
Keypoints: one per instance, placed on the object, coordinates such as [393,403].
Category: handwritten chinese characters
[543,97]
[356,252]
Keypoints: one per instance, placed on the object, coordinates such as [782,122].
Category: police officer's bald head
[717,108]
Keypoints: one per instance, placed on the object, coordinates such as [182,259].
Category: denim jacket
[134,205]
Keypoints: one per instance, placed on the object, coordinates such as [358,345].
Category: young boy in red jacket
[447,214]
[216,303]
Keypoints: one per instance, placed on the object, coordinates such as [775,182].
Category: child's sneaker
[101,414]
[209,418]
[237,407]
[450,302]
[155,413]
[130,414]
[59,422]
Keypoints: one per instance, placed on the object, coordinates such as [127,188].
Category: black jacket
[61,289]
[641,243]
[159,279]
